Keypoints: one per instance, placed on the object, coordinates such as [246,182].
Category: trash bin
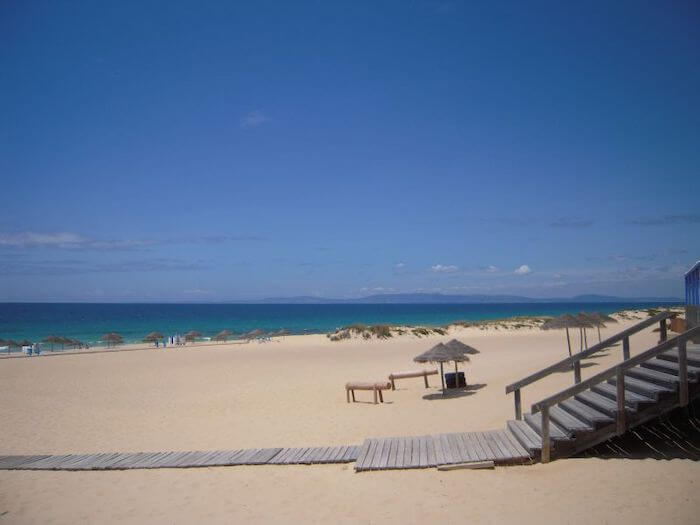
[450,380]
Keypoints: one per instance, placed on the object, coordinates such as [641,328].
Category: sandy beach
[289,392]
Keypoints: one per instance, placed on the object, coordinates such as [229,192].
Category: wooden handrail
[610,372]
[571,361]
[619,372]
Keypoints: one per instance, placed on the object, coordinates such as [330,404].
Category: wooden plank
[284,455]
[400,450]
[297,454]
[423,455]
[362,456]
[431,451]
[466,448]
[338,457]
[481,453]
[439,453]
[470,465]
[513,452]
[453,448]
[384,459]
[497,446]
[378,453]
[374,443]
[415,452]
[472,454]
[521,451]
[447,452]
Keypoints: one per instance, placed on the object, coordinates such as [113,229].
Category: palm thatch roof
[441,353]
[112,338]
[566,321]
[253,334]
[455,344]
[223,335]
[153,337]
[600,319]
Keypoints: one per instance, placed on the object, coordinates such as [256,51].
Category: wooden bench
[375,387]
[413,373]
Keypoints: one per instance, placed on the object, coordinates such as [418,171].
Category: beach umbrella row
[582,321]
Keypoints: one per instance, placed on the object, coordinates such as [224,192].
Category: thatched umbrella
[223,335]
[10,343]
[279,333]
[52,340]
[112,339]
[25,342]
[192,335]
[584,323]
[459,346]
[153,337]
[599,319]
[567,321]
[442,354]
[253,334]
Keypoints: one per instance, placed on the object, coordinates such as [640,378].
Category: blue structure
[692,296]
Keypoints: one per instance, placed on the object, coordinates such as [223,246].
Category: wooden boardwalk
[215,458]
[499,446]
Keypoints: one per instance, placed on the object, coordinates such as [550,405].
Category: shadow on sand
[453,393]
[673,436]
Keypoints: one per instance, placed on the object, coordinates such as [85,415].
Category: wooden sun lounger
[375,387]
[412,373]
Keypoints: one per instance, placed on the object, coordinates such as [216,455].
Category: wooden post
[381,397]
[442,378]
[545,434]
[620,401]
[518,406]
[626,348]
[347,395]
[577,372]
[683,373]
[392,384]
[375,395]
[663,334]
[425,378]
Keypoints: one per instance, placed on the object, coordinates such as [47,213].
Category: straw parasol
[584,323]
[599,319]
[52,340]
[565,322]
[223,335]
[279,333]
[253,334]
[25,342]
[442,354]
[153,337]
[112,339]
[459,346]
[192,335]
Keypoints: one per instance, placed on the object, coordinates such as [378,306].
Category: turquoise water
[87,322]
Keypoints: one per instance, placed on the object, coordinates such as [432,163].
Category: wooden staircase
[613,401]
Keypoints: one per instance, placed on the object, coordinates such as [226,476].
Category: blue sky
[189,151]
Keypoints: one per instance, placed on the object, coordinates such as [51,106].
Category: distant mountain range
[436,298]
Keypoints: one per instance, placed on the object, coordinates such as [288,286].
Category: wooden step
[569,423]
[555,433]
[653,376]
[693,357]
[586,413]
[632,399]
[644,388]
[672,368]
[527,437]
[600,403]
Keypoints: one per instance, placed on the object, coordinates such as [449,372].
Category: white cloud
[42,239]
[399,265]
[491,268]
[523,270]
[254,119]
[443,268]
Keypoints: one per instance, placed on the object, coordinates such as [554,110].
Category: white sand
[290,393]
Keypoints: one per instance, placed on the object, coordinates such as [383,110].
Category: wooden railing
[618,371]
[575,361]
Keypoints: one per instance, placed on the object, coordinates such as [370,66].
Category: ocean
[88,322]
